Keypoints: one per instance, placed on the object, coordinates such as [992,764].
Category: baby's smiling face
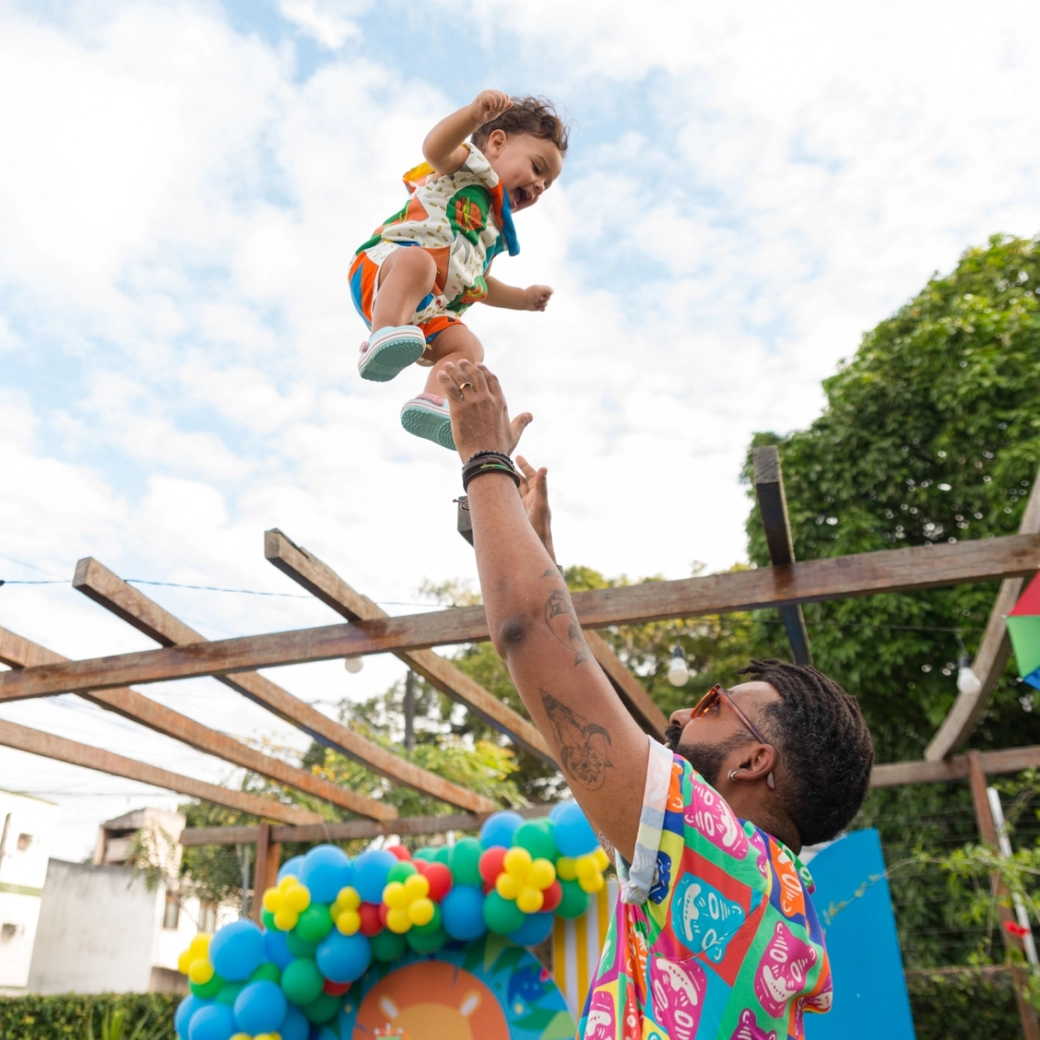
[526,165]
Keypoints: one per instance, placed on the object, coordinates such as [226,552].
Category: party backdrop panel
[854,905]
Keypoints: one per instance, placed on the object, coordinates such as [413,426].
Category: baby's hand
[536,297]
[488,105]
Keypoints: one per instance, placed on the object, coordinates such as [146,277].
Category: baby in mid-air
[459,213]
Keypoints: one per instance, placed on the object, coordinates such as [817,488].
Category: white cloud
[327,21]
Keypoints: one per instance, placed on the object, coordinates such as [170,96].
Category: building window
[24,842]
[171,912]
[11,931]
[207,917]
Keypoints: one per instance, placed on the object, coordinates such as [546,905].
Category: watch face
[489,989]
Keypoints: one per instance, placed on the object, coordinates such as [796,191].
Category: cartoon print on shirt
[662,878]
[782,971]
[600,1022]
[749,1029]
[703,918]
[678,995]
[709,814]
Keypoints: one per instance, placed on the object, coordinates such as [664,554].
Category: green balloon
[400,871]
[575,900]
[322,1010]
[442,855]
[267,920]
[229,993]
[426,943]
[502,916]
[465,862]
[537,837]
[314,923]
[387,945]
[302,982]
[431,926]
[299,947]
[267,972]
[425,853]
[205,990]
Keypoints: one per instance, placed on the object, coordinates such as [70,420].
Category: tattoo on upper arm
[563,623]
[583,744]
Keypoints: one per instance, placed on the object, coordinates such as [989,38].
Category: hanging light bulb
[678,673]
[354,664]
[967,681]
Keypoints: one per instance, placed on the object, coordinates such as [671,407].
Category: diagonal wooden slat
[47,745]
[95,580]
[628,687]
[993,653]
[837,577]
[18,652]
[324,583]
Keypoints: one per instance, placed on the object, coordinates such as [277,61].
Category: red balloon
[336,989]
[383,911]
[552,896]
[491,863]
[399,851]
[420,866]
[370,923]
[489,886]
[439,877]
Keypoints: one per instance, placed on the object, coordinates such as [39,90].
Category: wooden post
[263,845]
[988,833]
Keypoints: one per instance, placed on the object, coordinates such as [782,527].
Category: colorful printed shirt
[715,936]
[462,220]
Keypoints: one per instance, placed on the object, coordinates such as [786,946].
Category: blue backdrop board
[855,908]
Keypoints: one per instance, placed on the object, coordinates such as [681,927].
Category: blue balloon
[185,1009]
[370,871]
[260,1007]
[237,950]
[537,928]
[291,868]
[555,811]
[295,1025]
[325,870]
[499,829]
[276,946]
[343,958]
[214,1022]
[574,834]
[462,913]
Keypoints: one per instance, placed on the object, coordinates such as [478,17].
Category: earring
[732,776]
[770,782]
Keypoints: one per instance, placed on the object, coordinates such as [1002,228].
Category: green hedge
[962,1004]
[66,1016]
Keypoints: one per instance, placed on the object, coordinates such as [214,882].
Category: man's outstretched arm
[601,750]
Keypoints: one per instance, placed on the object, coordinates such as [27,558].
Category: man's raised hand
[479,416]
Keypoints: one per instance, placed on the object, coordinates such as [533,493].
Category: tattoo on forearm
[563,623]
[583,744]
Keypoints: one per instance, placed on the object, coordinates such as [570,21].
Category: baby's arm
[443,148]
[512,297]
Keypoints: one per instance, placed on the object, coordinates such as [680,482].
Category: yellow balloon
[297,898]
[394,895]
[585,866]
[542,874]
[200,944]
[516,861]
[421,911]
[348,898]
[348,922]
[417,886]
[507,886]
[285,920]
[273,900]
[243,1036]
[592,884]
[200,972]
[602,859]
[397,920]
[184,961]
[530,900]
[287,882]
[565,869]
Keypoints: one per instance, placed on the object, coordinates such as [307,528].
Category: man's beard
[707,759]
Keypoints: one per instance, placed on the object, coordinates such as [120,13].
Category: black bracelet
[490,454]
[479,467]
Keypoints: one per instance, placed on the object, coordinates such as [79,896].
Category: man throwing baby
[715,936]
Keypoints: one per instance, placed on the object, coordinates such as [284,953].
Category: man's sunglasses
[713,697]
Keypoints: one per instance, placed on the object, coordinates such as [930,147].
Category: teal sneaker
[390,351]
[427,416]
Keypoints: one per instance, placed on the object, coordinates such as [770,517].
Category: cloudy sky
[183,184]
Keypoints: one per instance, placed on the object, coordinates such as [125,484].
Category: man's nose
[681,717]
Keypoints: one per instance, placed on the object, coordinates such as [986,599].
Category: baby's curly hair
[529,115]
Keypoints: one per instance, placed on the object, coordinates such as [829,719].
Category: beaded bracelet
[490,454]
[479,467]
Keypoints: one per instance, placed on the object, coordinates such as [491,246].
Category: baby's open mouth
[521,197]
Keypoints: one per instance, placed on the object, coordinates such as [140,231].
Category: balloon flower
[524,880]
[345,911]
[408,903]
[587,870]
[287,902]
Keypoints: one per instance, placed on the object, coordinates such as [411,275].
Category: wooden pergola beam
[16,651]
[772,507]
[323,582]
[628,687]
[95,580]
[47,745]
[1008,760]
[895,570]
[992,656]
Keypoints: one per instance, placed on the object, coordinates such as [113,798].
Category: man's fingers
[473,374]
[520,423]
[449,385]
[491,379]
[526,468]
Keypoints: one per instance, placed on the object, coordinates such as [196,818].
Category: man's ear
[760,764]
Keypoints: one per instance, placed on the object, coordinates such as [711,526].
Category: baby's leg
[453,344]
[405,277]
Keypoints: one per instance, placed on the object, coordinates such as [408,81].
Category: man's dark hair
[824,748]
[529,115]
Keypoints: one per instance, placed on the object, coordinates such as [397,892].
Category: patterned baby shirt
[715,936]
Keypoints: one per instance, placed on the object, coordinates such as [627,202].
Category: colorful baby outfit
[462,220]
[715,936]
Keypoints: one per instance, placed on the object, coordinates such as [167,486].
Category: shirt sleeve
[638,877]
